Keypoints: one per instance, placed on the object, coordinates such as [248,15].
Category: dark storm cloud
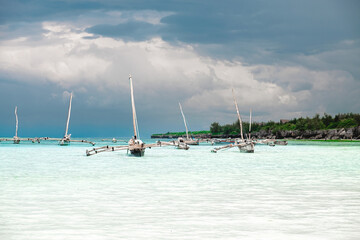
[37,10]
[286,26]
[254,31]
[133,30]
[289,26]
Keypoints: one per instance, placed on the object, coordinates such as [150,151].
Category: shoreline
[350,134]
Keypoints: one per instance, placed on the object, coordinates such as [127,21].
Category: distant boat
[65,141]
[188,140]
[179,144]
[244,145]
[16,139]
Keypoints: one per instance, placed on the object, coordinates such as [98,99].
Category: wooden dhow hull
[139,152]
[248,148]
[64,143]
[185,147]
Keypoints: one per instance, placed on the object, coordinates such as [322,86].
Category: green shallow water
[305,190]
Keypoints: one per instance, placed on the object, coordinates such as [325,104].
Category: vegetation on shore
[346,120]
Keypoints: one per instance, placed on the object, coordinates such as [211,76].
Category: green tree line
[341,120]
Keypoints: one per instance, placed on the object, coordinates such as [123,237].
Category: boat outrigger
[114,140]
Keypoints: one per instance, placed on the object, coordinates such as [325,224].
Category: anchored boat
[65,141]
[244,145]
[135,146]
[247,145]
[188,140]
[16,139]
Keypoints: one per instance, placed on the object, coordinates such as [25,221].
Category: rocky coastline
[329,134]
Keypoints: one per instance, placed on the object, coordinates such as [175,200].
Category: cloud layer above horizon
[284,60]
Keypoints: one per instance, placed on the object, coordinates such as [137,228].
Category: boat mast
[187,132]
[250,125]
[17,122]
[68,117]
[133,107]
[237,110]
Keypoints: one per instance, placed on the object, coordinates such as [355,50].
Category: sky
[284,59]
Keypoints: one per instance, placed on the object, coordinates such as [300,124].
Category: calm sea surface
[306,190]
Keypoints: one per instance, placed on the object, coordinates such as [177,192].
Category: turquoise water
[307,190]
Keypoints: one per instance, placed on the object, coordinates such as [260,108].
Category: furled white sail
[238,113]
[182,113]
[17,122]
[250,124]
[136,128]
[68,117]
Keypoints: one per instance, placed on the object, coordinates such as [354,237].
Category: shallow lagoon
[306,190]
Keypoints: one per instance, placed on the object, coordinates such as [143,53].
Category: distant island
[327,127]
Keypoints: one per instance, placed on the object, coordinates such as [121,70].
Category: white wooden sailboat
[188,140]
[16,139]
[65,141]
[247,145]
[244,145]
[135,146]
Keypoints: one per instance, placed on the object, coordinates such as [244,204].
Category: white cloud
[165,74]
